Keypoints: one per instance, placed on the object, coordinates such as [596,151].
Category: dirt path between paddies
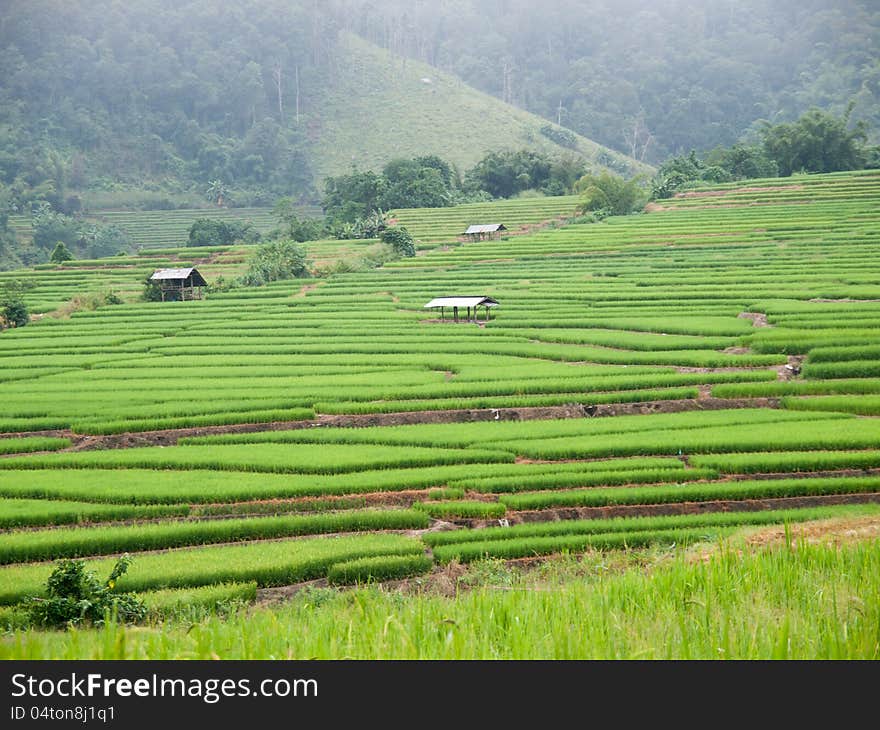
[759,319]
[835,530]
[681,508]
[169,437]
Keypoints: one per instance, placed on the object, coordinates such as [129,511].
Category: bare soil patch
[843,301]
[792,368]
[280,594]
[836,531]
[759,319]
[305,290]
[170,437]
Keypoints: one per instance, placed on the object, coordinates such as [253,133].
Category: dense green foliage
[400,240]
[276,261]
[816,142]
[13,308]
[503,174]
[57,237]
[205,106]
[60,254]
[610,194]
[213,232]
[423,182]
[74,595]
[351,201]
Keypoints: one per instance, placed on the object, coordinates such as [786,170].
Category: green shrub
[611,193]
[400,239]
[13,310]
[276,261]
[60,254]
[75,595]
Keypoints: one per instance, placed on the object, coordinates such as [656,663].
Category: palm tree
[217,191]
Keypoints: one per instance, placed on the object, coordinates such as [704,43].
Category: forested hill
[647,77]
[266,96]
[269,96]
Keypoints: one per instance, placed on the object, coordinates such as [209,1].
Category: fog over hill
[175,94]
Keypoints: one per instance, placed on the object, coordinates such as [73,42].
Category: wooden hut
[483,232]
[179,285]
[456,303]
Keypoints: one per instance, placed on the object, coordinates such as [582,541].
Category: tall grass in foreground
[791,602]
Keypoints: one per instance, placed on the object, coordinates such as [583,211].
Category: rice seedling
[787,461]
[383,567]
[457,509]
[35,443]
[269,458]
[697,492]
[267,563]
[22,512]
[547,545]
[641,524]
[864,405]
[19,547]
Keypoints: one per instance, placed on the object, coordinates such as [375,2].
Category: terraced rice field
[163,228]
[663,378]
[438,226]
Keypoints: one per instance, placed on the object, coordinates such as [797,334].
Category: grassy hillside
[378,106]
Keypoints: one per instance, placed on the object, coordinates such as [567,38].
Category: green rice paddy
[634,373]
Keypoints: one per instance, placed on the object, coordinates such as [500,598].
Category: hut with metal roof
[467,302]
[484,231]
[179,285]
